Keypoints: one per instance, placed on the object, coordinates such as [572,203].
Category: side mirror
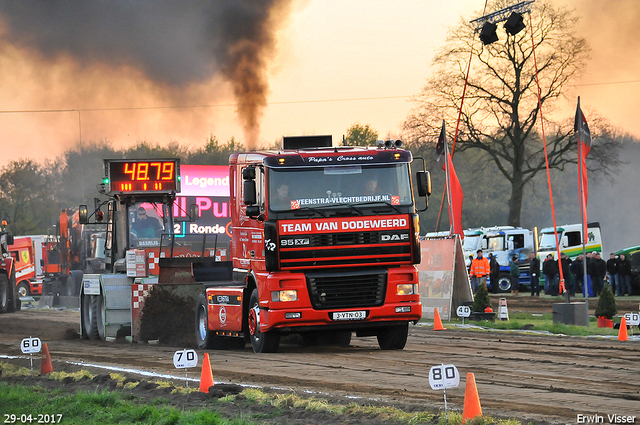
[253,211]
[83,214]
[249,192]
[10,240]
[423,179]
[564,241]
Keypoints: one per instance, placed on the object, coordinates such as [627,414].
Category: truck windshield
[548,241]
[470,242]
[146,224]
[299,188]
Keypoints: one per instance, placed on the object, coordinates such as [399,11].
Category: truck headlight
[406,289]
[288,295]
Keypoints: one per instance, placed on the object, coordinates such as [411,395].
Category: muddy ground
[533,377]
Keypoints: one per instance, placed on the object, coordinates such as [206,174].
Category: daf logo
[402,237]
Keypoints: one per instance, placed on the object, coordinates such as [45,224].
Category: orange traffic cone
[46,366]
[437,323]
[206,378]
[622,332]
[472,406]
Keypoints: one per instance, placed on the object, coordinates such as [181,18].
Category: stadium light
[486,25]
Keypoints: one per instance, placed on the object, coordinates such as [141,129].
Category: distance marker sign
[633,319]
[464,311]
[183,359]
[31,345]
[444,376]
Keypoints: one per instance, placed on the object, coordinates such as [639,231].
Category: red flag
[584,146]
[456,199]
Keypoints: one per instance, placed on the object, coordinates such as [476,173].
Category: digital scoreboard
[142,176]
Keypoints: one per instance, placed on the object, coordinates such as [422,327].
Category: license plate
[350,315]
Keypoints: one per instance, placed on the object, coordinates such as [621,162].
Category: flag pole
[584,224]
[448,178]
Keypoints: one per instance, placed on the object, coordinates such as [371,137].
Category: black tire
[504,283]
[13,300]
[24,289]
[262,342]
[393,337]
[98,306]
[204,337]
[90,317]
[4,293]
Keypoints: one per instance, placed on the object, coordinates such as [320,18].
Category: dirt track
[532,377]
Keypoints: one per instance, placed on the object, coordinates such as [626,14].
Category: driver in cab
[145,227]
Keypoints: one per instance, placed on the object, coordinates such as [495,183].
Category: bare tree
[501,113]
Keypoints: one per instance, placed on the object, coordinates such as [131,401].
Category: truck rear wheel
[262,342]
[4,295]
[204,336]
[90,316]
[393,337]
[13,300]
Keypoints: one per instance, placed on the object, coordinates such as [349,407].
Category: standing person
[550,270]
[612,273]
[598,269]
[624,276]
[578,273]
[514,274]
[479,270]
[494,273]
[534,271]
[565,262]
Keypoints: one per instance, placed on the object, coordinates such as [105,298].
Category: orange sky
[336,63]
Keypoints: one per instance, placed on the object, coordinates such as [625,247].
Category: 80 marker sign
[444,376]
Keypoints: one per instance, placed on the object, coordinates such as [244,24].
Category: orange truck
[23,250]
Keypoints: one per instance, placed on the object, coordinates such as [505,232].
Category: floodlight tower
[486,25]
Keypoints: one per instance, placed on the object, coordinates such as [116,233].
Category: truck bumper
[307,319]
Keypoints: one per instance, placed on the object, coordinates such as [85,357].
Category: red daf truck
[325,242]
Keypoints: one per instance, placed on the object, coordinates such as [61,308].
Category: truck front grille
[347,289]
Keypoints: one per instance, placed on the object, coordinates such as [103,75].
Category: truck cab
[504,243]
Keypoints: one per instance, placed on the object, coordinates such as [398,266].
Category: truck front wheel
[504,283]
[24,289]
[393,337]
[262,342]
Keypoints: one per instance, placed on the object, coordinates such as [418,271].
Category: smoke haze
[105,54]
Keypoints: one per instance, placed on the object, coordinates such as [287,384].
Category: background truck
[24,252]
[334,255]
[570,237]
[9,299]
[503,243]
